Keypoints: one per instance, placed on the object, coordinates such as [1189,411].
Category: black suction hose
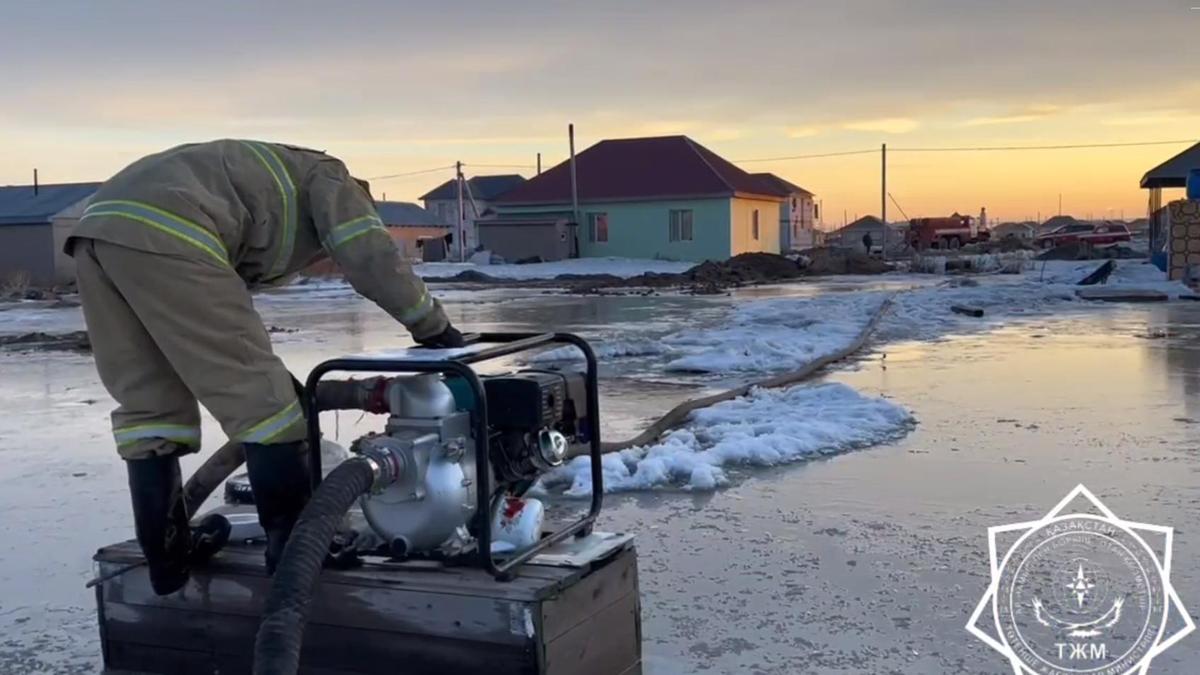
[277,647]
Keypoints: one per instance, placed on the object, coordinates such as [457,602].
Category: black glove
[447,339]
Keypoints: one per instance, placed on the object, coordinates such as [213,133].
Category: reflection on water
[868,562]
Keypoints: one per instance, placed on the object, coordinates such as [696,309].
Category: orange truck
[946,232]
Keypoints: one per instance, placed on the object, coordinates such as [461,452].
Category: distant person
[867,242]
[167,254]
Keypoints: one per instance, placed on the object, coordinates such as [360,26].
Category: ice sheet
[766,428]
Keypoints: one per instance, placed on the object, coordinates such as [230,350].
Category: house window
[793,202]
[816,216]
[754,224]
[680,225]
[597,227]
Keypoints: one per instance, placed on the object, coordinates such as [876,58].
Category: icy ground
[858,562]
[781,334]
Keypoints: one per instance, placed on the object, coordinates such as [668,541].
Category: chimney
[35,182]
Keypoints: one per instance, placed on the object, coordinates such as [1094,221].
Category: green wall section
[642,229]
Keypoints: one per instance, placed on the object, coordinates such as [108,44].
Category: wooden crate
[380,619]
[1183,243]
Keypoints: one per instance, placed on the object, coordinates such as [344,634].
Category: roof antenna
[35,181]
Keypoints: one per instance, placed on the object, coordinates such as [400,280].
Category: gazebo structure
[1172,173]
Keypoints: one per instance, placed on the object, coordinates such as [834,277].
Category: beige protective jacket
[265,211]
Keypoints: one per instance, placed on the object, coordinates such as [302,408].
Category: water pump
[460,450]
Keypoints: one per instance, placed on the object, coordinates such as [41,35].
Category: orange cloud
[804,132]
[886,125]
[1027,114]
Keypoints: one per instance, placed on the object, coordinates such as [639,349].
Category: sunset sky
[394,87]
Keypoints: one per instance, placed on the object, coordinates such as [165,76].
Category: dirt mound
[747,268]
[472,277]
[76,341]
[837,260]
[707,277]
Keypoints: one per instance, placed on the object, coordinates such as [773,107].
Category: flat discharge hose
[229,457]
[219,466]
[679,414]
[281,632]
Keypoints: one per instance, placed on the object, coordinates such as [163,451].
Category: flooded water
[866,562]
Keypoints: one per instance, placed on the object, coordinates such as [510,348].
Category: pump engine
[459,450]
[534,417]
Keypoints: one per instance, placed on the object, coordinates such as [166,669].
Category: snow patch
[766,428]
[614,349]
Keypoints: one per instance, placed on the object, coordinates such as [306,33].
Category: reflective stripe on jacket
[265,210]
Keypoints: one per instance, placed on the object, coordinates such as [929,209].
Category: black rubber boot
[282,484]
[160,519]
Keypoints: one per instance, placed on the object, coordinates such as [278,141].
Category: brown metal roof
[631,169]
[1173,172]
[787,187]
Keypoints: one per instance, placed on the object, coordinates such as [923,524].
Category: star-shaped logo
[1046,619]
[1081,586]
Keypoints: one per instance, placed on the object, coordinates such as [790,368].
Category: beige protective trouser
[167,330]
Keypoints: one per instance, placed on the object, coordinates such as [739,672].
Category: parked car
[1096,235]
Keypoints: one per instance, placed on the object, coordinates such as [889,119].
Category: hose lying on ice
[679,414]
[277,647]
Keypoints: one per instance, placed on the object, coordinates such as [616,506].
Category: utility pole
[574,181]
[1060,203]
[35,182]
[539,164]
[883,183]
[462,249]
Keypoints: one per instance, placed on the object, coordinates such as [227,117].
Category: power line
[898,206]
[502,166]
[981,148]
[410,173]
[850,153]
[826,154]
[1078,146]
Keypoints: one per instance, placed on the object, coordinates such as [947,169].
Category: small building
[1024,231]
[408,223]
[1171,174]
[797,214]
[542,239]
[34,223]
[662,197]
[478,194]
[888,237]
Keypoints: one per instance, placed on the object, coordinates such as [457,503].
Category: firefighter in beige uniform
[167,253]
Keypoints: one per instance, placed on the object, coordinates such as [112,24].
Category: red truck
[945,232]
